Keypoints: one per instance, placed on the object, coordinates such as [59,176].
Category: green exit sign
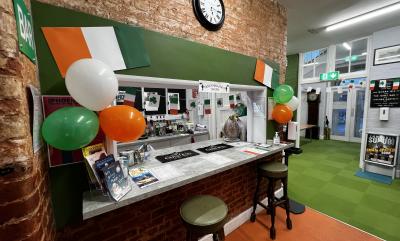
[329,76]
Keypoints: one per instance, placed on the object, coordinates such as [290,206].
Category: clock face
[312,96]
[210,13]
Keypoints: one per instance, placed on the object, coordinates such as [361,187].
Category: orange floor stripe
[308,226]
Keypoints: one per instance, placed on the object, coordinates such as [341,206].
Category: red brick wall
[252,27]
[25,208]
[157,218]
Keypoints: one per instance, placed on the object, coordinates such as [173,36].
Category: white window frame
[302,65]
[357,74]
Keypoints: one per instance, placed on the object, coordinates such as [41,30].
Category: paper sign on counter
[217,159]
[166,172]
[253,150]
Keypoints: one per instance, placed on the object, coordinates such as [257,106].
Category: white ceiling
[313,14]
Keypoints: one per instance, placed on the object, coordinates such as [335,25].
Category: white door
[345,113]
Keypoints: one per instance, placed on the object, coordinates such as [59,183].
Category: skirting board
[243,217]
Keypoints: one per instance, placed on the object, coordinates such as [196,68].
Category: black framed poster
[385,93]
[381,148]
[387,55]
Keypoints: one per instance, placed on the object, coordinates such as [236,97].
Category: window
[314,63]
[351,56]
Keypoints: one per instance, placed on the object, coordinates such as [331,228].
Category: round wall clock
[210,13]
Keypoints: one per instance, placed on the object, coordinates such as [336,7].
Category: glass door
[339,118]
[346,112]
[357,113]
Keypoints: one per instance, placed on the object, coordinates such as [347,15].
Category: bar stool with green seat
[202,215]
[273,171]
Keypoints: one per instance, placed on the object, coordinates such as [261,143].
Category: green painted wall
[170,57]
[292,74]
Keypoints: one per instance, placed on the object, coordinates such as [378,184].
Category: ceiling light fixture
[374,13]
[347,46]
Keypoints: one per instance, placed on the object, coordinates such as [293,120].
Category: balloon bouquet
[94,86]
[286,104]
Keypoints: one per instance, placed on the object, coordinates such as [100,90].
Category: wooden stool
[273,171]
[202,215]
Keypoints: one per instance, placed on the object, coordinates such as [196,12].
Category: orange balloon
[122,123]
[282,114]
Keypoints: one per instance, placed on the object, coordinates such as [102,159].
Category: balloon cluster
[94,86]
[286,104]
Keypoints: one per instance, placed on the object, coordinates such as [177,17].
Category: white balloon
[293,103]
[91,83]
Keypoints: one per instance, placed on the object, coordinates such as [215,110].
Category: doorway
[346,112]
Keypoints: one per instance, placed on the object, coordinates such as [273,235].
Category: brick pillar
[25,206]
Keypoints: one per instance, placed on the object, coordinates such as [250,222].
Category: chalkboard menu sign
[381,149]
[385,93]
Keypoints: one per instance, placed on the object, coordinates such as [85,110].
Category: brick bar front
[157,218]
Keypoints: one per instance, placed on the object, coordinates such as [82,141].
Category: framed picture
[387,55]
[381,148]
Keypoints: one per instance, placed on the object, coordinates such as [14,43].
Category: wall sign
[330,76]
[381,148]
[213,87]
[385,93]
[25,30]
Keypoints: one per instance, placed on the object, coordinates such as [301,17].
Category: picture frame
[387,55]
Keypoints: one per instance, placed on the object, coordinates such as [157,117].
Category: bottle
[277,139]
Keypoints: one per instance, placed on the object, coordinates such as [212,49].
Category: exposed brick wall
[25,207]
[252,27]
[157,218]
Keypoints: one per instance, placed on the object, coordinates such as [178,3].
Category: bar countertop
[178,173]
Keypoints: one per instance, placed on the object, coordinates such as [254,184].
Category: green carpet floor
[322,177]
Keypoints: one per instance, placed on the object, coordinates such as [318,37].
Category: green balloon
[70,128]
[283,94]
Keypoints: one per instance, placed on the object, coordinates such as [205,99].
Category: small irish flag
[263,73]
[372,85]
[129,99]
[232,101]
[396,84]
[207,106]
[174,104]
[69,44]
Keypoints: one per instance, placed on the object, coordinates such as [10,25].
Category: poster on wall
[387,55]
[58,157]
[37,141]
[385,93]
[381,148]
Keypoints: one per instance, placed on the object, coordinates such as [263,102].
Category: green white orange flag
[207,106]
[263,73]
[69,44]
[372,85]
[396,84]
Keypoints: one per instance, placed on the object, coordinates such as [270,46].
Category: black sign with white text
[385,93]
[381,148]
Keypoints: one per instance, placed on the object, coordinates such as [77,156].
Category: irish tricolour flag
[372,85]
[69,44]
[396,84]
[263,73]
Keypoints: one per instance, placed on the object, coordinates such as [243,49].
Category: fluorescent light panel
[347,46]
[363,17]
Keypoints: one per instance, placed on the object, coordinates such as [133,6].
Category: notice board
[385,93]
